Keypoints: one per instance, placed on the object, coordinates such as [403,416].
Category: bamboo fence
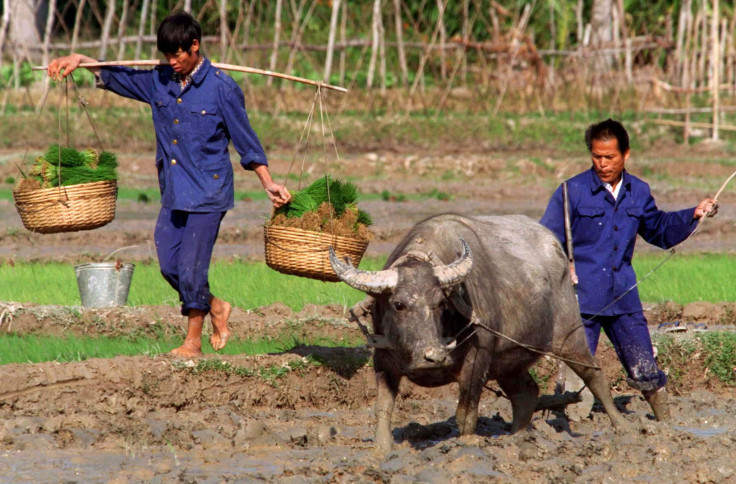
[398,43]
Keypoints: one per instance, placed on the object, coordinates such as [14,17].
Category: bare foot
[219,314]
[188,349]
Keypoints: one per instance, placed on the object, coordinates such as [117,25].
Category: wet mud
[306,415]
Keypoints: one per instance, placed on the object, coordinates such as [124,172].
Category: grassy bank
[16,348]
[245,284]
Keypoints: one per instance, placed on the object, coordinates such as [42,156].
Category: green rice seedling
[64,156]
[349,192]
[107,159]
[301,203]
[79,174]
[364,217]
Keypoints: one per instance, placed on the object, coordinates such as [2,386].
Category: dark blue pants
[630,338]
[184,243]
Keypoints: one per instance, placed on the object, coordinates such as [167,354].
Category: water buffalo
[448,291]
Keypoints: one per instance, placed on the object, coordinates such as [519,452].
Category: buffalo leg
[387,389]
[471,386]
[523,392]
[598,385]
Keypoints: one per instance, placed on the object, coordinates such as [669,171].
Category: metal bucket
[103,284]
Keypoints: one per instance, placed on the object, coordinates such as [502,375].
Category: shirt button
[175,141]
[615,248]
[216,177]
[173,162]
[204,112]
[615,227]
[178,101]
[176,121]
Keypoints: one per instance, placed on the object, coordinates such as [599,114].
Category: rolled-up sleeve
[244,139]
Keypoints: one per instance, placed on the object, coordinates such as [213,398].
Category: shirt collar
[596,184]
[195,76]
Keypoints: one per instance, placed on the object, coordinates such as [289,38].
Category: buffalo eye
[399,305]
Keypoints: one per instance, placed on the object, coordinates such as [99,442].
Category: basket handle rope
[306,130]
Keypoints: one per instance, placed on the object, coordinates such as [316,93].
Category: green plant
[720,355]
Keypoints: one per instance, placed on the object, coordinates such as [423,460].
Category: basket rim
[296,230]
[67,187]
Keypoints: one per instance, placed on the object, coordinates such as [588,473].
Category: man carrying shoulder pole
[197,111]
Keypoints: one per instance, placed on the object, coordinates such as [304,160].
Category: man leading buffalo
[197,111]
[608,208]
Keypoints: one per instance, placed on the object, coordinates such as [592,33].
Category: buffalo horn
[453,274]
[370,282]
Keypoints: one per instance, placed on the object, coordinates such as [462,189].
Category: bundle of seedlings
[327,205]
[66,190]
[67,166]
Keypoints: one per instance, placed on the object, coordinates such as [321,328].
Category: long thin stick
[225,67]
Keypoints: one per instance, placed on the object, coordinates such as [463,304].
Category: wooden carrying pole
[225,67]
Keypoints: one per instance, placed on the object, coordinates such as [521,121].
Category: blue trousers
[630,338]
[184,243]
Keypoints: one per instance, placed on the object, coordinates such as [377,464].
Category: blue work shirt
[604,232]
[193,129]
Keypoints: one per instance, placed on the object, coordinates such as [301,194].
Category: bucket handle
[118,250]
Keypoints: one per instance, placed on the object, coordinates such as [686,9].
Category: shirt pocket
[589,225]
[205,118]
[635,212]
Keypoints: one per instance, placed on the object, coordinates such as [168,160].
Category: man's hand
[61,67]
[278,194]
[706,208]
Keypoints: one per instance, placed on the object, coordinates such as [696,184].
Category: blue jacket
[193,129]
[604,233]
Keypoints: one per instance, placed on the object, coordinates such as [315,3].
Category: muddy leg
[471,387]
[219,314]
[193,342]
[523,392]
[597,384]
[387,388]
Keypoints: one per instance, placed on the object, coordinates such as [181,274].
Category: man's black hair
[605,130]
[178,30]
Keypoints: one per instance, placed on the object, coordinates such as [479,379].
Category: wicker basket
[67,209]
[305,253]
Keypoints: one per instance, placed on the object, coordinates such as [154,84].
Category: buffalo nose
[435,355]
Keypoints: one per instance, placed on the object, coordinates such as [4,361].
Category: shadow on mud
[345,361]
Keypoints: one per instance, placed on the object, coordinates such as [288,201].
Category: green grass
[687,278]
[683,279]
[717,350]
[30,348]
[247,285]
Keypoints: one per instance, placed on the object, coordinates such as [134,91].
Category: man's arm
[665,229]
[130,83]
[278,194]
